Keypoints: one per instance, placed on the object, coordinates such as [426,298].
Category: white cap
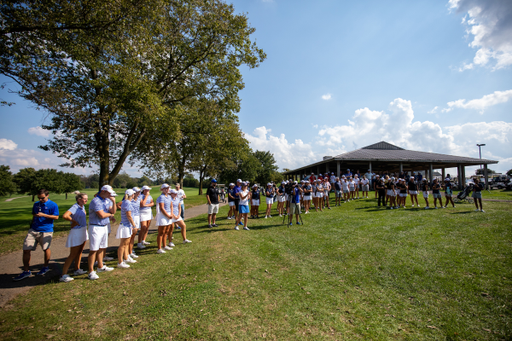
[129,192]
[239,180]
[164,186]
[112,193]
[269,184]
[295,182]
[106,188]
[231,184]
[145,188]
[173,191]
[136,189]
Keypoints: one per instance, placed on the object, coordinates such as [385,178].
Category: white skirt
[77,236]
[146,215]
[270,201]
[231,203]
[319,195]
[413,192]
[176,220]
[136,220]
[281,198]
[307,198]
[403,195]
[162,220]
[425,194]
[366,188]
[391,193]
[255,202]
[123,232]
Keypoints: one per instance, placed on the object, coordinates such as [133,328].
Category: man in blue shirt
[295,203]
[44,213]
[236,190]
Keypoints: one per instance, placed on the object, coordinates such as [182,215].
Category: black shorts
[236,204]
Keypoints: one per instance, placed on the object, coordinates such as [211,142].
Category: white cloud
[481,103]
[326,97]
[287,155]
[488,22]
[433,111]
[39,131]
[7,144]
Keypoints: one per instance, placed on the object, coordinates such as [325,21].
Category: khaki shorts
[295,209]
[33,237]
[213,208]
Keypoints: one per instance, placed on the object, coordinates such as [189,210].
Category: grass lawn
[15,215]
[353,272]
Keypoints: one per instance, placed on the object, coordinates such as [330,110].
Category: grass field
[15,215]
[353,272]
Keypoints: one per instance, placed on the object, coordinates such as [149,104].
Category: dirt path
[11,264]
[11,199]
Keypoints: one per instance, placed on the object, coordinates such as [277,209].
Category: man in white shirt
[181,196]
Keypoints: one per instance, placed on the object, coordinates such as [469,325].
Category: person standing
[146,215]
[255,202]
[101,209]
[163,218]
[448,192]
[177,219]
[44,213]
[365,186]
[425,188]
[307,197]
[236,191]
[136,218]
[269,194]
[477,194]
[295,203]
[381,191]
[338,192]
[281,198]
[327,191]
[413,191]
[245,196]
[77,236]
[436,193]
[231,201]
[124,231]
[212,197]
[181,195]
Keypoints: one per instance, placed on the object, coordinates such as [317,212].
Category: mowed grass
[353,272]
[16,215]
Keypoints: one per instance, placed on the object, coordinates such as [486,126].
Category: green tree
[114,75]
[267,170]
[7,185]
[71,183]
[509,172]
[30,181]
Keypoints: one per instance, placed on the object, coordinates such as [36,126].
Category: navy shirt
[42,224]
[256,194]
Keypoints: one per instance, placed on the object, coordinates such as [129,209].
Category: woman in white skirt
[255,202]
[307,196]
[176,218]
[77,236]
[281,198]
[231,201]
[146,215]
[163,218]
[356,186]
[269,194]
[425,188]
[319,195]
[365,186]
[136,218]
[327,190]
[124,231]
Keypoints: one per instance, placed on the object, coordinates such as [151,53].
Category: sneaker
[444,206]
[229,218]
[105,268]
[209,226]
[240,223]
[236,228]
[215,225]
[328,208]
[291,224]
[307,212]
[427,208]
[123,265]
[266,217]
[167,248]
[186,241]
[482,211]
[79,272]
[141,246]
[129,260]
[178,228]
[145,242]
[160,251]
[477,210]
[171,244]
[438,207]
[246,228]
[23,275]
[270,216]
[66,278]
[108,259]
[298,223]
[43,270]
[419,206]
[391,208]
[279,215]
[133,255]
[93,276]
[453,206]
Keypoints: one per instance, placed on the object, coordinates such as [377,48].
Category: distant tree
[24,179]
[267,170]
[71,183]
[31,181]
[122,180]
[480,171]
[509,172]
[144,180]
[7,185]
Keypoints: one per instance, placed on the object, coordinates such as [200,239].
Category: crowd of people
[292,197]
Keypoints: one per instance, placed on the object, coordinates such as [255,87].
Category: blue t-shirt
[166,200]
[236,190]
[232,192]
[256,194]
[126,206]
[296,196]
[175,205]
[42,224]
[142,197]
[99,204]
[136,206]
[79,215]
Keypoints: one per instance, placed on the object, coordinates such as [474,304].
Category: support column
[463,171]
[443,174]
[401,167]
[485,175]
[317,170]
[431,173]
[327,167]
[459,176]
[338,168]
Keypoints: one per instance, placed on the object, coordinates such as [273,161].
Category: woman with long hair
[281,198]
[146,215]
[77,236]
[243,206]
[231,201]
[255,202]
[365,187]
[269,194]
[177,220]
[425,188]
[124,231]
[163,218]
[413,190]
[307,197]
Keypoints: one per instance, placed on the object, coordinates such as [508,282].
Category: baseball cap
[231,184]
[239,180]
[173,191]
[129,192]
[106,188]
[213,180]
[295,182]
[136,189]
[112,193]
[164,186]
[145,188]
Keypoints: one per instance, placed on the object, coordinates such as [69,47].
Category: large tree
[7,185]
[114,76]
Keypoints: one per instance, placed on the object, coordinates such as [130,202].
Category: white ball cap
[164,186]
[173,191]
[136,189]
[145,188]
[106,188]
[129,192]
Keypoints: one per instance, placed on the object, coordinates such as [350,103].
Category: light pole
[480,151]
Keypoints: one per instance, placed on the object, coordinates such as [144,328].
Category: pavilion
[384,156]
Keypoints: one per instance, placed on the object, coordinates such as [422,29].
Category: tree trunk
[181,170]
[201,178]
[66,195]
[33,197]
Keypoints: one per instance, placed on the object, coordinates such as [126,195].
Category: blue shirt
[142,197]
[136,206]
[175,205]
[232,192]
[42,224]
[236,190]
[126,206]
[99,204]
[166,200]
[256,194]
[79,215]
[296,195]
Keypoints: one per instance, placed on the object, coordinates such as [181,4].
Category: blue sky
[425,75]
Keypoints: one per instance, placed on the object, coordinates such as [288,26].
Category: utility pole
[480,151]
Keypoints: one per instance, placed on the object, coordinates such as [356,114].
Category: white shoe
[167,248]
[246,228]
[123,265]
[93,276]
[236,228]
[419,206]
[104,268]
[482,211]
[129,260]
[80,272]
[133,255]
[145,242]
[444,206]
[107,259]
[171,244]
[141,246]
[229,218]
[477,210]
[266,217]
[66,278]
[187,241]
[160,251]
[270,216]
[427,208]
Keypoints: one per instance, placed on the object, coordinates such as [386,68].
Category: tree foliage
[7,185]
[115,76]
[30,181]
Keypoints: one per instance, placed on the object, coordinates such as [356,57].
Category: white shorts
[98,237]
[255,202]
[179,219]
[352,189]
[345,191]
[123,232]
[425,194]
[313,195]
[366,188]
[281,198]
[391,193]
[212,209]
[403,195]
[146,215]
[319,195]
[413,192]
[270,201]
[307,198]
[109,228]
[231,203]
[162,220]
[77,236]
[136,220]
